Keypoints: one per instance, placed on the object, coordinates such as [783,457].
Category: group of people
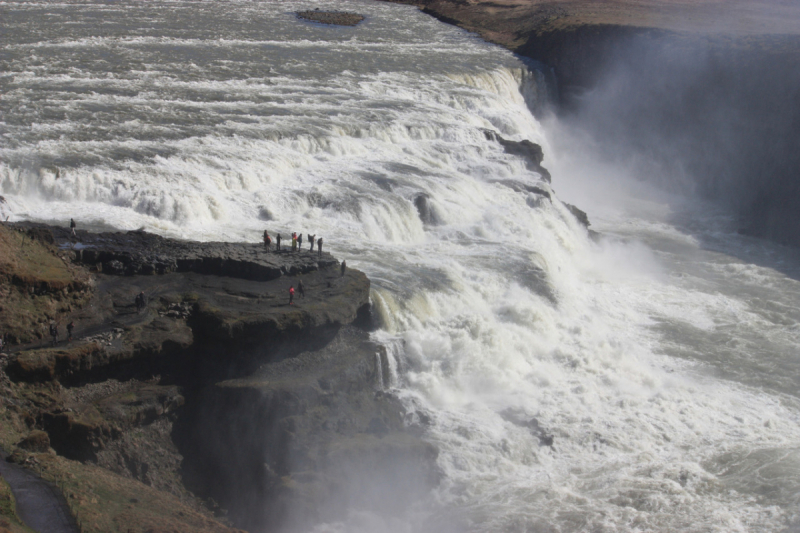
[297,242]
[54,331]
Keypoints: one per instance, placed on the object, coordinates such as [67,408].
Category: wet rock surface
[530,151]
[325,436]
[338,18]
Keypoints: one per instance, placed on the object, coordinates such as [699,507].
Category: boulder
[37,441]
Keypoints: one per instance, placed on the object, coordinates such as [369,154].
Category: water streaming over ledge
[665,369]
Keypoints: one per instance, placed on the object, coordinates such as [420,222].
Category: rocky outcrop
[171,389]
[579,215]
[338,18]
[530,151]
[137,252]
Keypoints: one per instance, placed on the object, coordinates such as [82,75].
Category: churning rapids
[662,357]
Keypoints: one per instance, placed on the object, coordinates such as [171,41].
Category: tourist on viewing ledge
[267,240]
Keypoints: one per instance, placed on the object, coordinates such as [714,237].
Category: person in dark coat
[311,240]
[70,327]
[54,332]
[344,267]
[278,242]
[301,289]
[319,246]
[72,225]
[300,242]
[141,302]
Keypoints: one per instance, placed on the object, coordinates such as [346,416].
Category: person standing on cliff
[294,242]
[72,225]
[311,240]
[291,295]
[300,242]
[301,289]
[344,266]
[267,240]
[54,333]
[141,302]
[319,247]
[278,242]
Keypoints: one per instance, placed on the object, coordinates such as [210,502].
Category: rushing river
[662,357]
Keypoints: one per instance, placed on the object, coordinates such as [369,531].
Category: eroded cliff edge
[218,396]
[696,97]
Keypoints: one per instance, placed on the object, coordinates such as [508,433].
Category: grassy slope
[36,286]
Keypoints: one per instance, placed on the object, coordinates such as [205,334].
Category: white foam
[498,310]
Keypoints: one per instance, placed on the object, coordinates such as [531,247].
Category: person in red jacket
[291,295]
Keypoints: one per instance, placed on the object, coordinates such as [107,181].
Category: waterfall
[503,321]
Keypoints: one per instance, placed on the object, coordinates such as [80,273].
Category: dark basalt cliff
[218,386]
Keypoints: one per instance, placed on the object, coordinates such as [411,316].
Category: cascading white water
[214,121]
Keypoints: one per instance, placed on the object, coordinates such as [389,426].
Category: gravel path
[39,504]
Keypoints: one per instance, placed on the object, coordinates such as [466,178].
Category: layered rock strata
[218,365]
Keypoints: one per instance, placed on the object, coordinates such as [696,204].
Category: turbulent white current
[662,357]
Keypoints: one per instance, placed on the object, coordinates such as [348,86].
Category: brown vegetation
[38,284]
